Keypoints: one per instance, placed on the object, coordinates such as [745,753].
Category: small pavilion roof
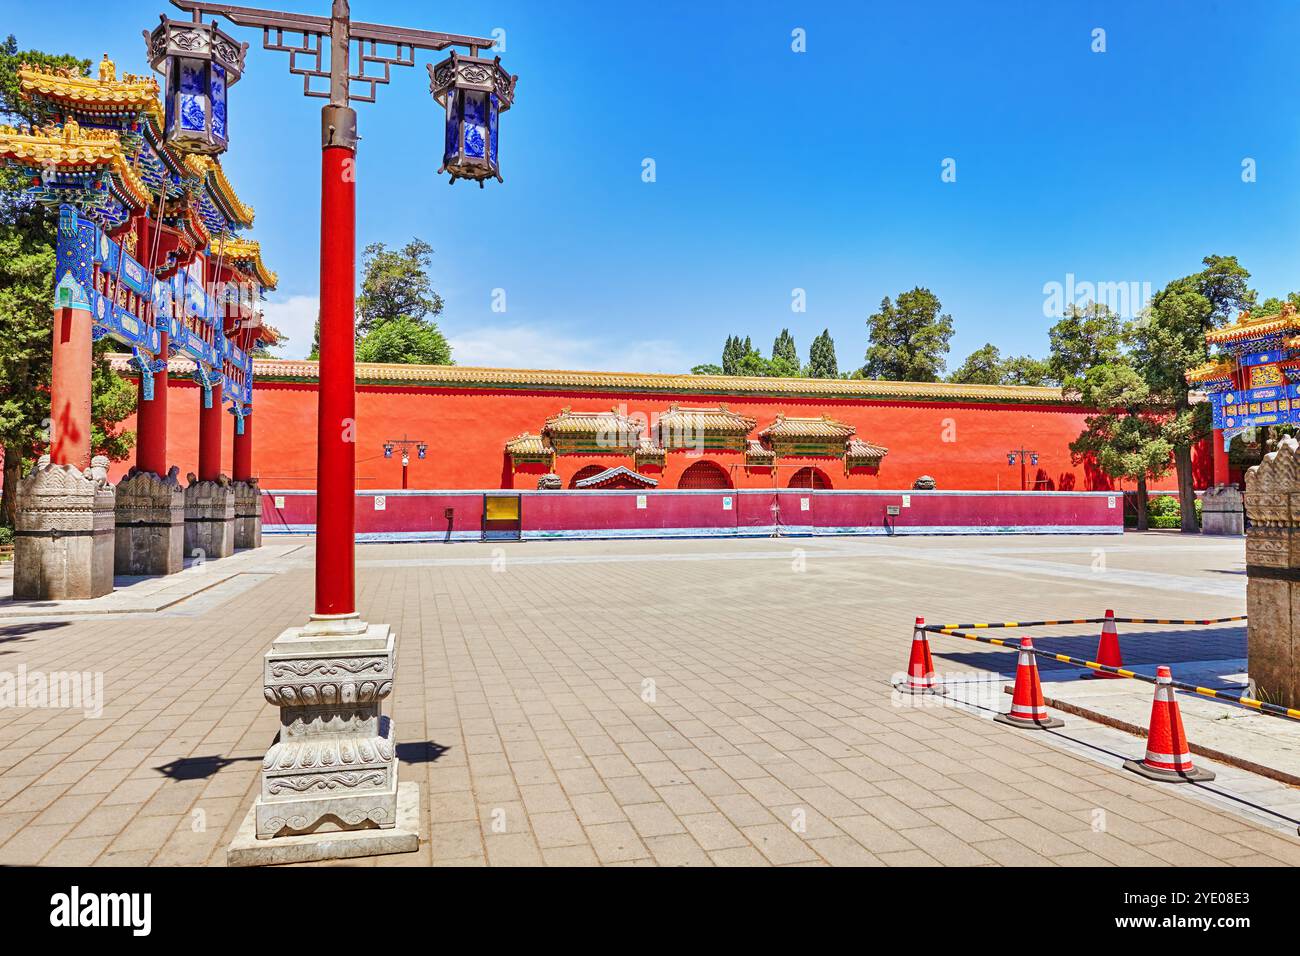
[617,473]
[857,449]
[820,428]
[717,419]
[1210,372]
[91,94]
[586,424]
[1252,327]
[527,444]
[245,253]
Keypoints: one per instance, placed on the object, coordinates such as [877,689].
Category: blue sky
[777,170]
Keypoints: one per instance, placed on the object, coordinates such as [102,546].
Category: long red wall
[962,445]
[431,515]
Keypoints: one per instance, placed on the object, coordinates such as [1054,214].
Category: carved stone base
[334,766]
[150,535]
[63,539]
[248,514]
[1222,511]
[1273,576]
[209,518]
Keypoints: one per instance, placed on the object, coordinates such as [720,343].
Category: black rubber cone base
[1047,723]
[1195,775]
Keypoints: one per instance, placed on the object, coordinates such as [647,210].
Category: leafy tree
[821,357]
[27,242]
[784,348]
[731,353]
[908,339]
[405,341]
[395,284]
[1126,439]
[708,368]
[1086,336]
[982,367]
[1169,339]
[1027,370]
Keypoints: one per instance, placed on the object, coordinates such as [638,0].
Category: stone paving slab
[638,703]
[145,595]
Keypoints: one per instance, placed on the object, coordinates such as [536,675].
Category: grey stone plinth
[333,767]
[150,534]
[1273,575]
[1223,511]
[248,514]
[247,850]
[209,518]
[63,535]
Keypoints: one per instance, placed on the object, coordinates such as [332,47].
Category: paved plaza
[650,702]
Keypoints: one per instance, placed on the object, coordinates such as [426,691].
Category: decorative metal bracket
[305,38]
[206,380]
[241,412]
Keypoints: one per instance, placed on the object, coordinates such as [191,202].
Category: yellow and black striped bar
[1274,710]
[1087,620]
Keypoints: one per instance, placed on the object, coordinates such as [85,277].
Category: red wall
[608,514]
[466,430]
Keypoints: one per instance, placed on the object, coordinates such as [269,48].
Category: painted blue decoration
[475,125]
[219,101]
[494,119]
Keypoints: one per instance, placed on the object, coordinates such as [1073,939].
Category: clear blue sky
[778,170]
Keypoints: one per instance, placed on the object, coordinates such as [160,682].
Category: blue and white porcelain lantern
[199,63]
[474,91]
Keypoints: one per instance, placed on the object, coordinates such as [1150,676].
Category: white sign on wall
[1110,502]
[641,502]
[381,503]
[726,504]
[804,504]
[907,501]
[279,501]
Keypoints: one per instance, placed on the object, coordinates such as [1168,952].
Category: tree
[908,339]
[821,357]
[1027,370]
[396,308]
[405,341]
[708,368]
[1126,439]
[1086,336]
[396,284]
[27,265]
[982,367]
[784,348]
[1169,339]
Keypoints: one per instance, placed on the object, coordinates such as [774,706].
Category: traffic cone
[921,678]
[1108,647]
[1027,707]
[1168,757]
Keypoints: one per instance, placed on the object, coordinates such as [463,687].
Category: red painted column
[1220,459]
[70,389]
[336,422]
[151,416]
[242,469]
[151,422]
[210,436]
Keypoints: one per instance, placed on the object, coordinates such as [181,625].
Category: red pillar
[210,436]
[336,422]
[70,389]
[151,422]
[1220,459]
[243,458]
[151,416]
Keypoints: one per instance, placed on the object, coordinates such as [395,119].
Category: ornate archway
[813,478]
[705,474]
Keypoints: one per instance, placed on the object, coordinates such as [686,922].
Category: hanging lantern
[199,63]
[388,450]
[421,449]
[1033,459]
[474,91]
[1011,458]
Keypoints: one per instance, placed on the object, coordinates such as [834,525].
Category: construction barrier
[1274,710]
[1087,620]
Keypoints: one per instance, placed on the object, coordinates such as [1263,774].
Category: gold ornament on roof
[107,70]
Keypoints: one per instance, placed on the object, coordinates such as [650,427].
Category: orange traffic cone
[1027,707]
[1108,647]
[1168,757]
[921,678]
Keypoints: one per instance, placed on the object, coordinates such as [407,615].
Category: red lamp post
[1026,457]
[475,91]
